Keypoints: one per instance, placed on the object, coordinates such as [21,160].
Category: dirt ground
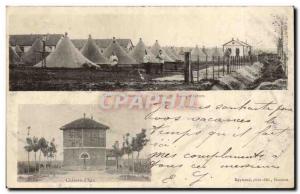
[79,176]
[36,79]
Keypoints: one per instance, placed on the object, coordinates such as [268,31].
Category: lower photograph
[63,143]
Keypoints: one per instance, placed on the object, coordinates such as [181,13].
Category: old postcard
[150,97]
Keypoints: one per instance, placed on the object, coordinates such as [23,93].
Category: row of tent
[66,55]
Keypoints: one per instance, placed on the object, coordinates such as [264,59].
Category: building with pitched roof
[237,48]
[25,41]
[84,144]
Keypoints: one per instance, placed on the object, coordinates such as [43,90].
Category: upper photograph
[149,48]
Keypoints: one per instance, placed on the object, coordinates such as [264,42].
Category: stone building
[84,143]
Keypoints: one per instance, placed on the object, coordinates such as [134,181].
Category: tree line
[44,147]
[130,145]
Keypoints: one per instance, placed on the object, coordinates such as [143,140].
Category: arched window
[84,155]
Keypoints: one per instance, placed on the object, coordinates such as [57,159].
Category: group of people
[113,60]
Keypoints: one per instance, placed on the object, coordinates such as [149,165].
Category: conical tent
[171,54]
[155,50]
[91,51]
[138,53]
[33,55]
[18,50]
[14,58]
[66,56]
[216,52]
[172,49]
[196,52]
[123,57]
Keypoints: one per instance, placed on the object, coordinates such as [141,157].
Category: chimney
[92,117]
[66,34]
[140,39]
[90,36]
[84,115]
[232,38]
[114,39]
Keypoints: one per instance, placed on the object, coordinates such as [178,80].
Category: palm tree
[28,147]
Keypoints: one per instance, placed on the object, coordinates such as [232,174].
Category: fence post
[234,62]
[213,64]
[218,66]
[206,67]
[198,69]
[228,63]
[186,67]
[191,69]
[223,61]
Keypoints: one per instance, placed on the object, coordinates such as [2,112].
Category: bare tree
[280,28]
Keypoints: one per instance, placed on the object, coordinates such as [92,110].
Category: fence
[214,68]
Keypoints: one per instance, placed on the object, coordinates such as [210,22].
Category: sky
[171,26]
[46,121]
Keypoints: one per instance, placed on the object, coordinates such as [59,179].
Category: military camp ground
[44,62]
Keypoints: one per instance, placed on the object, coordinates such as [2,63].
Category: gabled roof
[84,123]
[245,43]
[236,42]
[28,39]
[101,43]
